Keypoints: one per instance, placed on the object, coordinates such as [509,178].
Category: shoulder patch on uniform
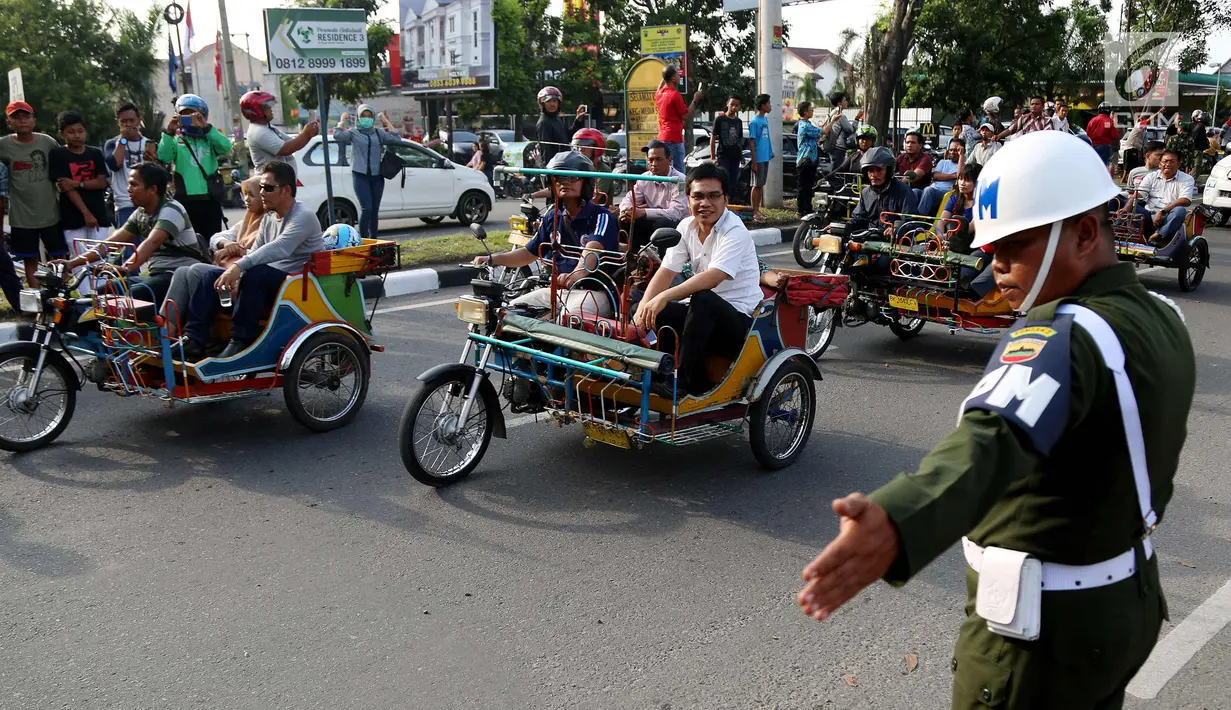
[1022,350]
[1027,381]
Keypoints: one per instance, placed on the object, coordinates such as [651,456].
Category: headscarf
[359,115]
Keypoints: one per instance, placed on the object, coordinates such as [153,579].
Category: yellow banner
[664,39]
[640,113]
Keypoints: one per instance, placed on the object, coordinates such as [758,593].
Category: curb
[773,235]
[8,331]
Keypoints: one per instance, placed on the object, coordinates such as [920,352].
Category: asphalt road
[413,228]
[218,556]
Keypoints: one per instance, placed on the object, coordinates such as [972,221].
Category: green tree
[1192,21]
[807,89]
[721,45]
[854,58]
[1038,49]
[349,88]
[78,55]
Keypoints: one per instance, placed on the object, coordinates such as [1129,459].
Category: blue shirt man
[592,223]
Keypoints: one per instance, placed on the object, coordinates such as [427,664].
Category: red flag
[188,23]
[218,63]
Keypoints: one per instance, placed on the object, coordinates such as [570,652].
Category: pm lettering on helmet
[988,196]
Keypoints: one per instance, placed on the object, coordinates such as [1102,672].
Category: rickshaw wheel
[436,450]
[32,426]
[906,328]
[327,381]
[1193,271]
[819,331]
[780,422]
[807,255]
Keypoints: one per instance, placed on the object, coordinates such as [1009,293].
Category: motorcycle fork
[474,386]
[41,336]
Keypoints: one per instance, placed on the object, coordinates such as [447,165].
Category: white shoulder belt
[1060,577]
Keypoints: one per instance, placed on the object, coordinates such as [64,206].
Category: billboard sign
[447,46]
[316,41]
[668,43]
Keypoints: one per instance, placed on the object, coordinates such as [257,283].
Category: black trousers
[205,215]
[707,324]
[805,175]
[642,228]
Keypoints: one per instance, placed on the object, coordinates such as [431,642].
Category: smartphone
[701,86]
[186,121]
[651,338]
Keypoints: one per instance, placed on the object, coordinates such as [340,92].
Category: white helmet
[1041,178]
[992,105]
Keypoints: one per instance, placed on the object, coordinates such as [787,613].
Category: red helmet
[589,138]
[252,105]
[548,93]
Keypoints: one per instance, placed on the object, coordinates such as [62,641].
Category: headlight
[828,244]
[31,300]
[471,310]
[517,223]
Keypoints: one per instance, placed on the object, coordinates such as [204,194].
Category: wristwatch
[123,141]
[81,184]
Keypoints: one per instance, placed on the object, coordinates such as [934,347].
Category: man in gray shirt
[267,144]
[290,233]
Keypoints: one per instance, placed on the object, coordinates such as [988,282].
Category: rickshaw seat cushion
[817,290]
[573,339]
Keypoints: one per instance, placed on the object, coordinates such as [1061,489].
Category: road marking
[413,306]
[1178,647]
[525,419]
[779,252]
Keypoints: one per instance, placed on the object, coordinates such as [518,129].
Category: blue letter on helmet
[987,199]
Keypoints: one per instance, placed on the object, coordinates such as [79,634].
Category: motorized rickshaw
[1188,252]
[902,280]
[600,371]
[315,346]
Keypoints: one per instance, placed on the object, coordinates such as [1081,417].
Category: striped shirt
[173,219]
[1029,123]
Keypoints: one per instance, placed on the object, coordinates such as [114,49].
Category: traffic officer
[1050,471]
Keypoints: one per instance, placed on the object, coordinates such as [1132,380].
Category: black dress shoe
[193,351]
[234,347]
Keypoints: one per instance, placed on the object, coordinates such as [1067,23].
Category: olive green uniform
[1070,500]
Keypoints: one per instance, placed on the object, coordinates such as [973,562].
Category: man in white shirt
[1169,193]
[267,144]
[711,311]
[123,153]
[659,204]
[987,145]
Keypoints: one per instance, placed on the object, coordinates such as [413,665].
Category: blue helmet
[193,102]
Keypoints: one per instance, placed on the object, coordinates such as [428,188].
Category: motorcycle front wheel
[437,447]
[33,417]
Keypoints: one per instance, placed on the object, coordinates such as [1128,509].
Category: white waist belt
[1058,577]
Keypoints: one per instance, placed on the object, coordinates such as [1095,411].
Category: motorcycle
[903,281]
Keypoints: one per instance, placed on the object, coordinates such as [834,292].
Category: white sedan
[430,187]
[1218,190]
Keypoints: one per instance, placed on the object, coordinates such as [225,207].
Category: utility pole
[248,50]
[769,81]
[228,78]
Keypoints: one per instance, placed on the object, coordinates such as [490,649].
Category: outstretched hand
[866,546]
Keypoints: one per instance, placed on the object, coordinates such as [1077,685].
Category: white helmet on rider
[992,105]
[1041,178]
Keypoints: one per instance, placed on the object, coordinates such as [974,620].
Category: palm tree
[854,64]
[807,90]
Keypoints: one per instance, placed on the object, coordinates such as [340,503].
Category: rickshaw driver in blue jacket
[712,310]
[582,223]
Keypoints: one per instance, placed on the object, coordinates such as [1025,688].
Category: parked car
[499,138]
[463,145]
[430,187]
[1218,191]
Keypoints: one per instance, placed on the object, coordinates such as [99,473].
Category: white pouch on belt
[1010,593]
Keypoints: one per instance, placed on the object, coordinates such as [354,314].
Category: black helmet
[572,160]
[1104,107]
[881,157]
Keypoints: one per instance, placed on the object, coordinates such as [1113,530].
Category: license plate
[906,304]
[606,435]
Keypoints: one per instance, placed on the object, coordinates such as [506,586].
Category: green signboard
[316,41]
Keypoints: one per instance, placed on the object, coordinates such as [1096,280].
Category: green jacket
[1066,496]
[179,150]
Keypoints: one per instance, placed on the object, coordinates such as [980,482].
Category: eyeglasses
[266,187]
[567,180]
[712,196]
